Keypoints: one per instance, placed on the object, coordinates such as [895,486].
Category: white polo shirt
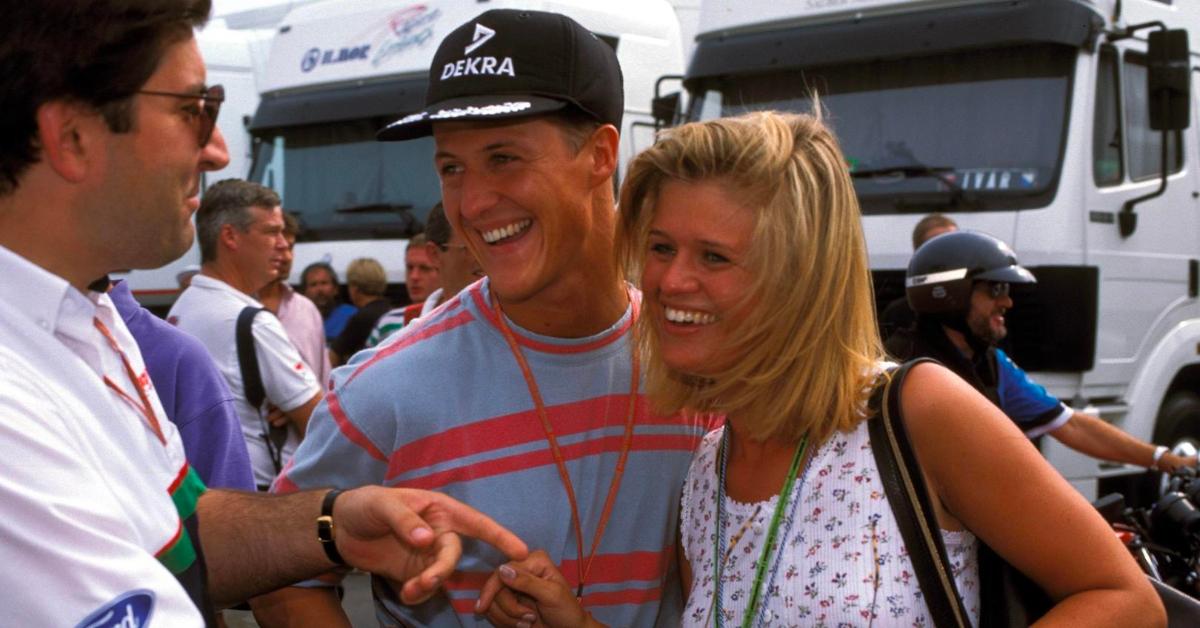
[84,481]
[208,310]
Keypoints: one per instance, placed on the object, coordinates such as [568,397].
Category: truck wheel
[1179,420]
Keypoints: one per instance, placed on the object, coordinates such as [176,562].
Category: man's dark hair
[228,202]
[97,53]
[317,266]
[437,227]
[576,126]
[291,226]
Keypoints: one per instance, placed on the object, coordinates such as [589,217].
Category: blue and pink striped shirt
[442,405]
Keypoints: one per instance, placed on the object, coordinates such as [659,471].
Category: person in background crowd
[108,126]
[784,518]
[959,286]
[457,269]
[193,393]
[242,248]
[367,282]
[319,282]
[898,314]
[421,273]
[538,418]
[299,315]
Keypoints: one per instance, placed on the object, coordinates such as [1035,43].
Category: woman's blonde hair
[805,356]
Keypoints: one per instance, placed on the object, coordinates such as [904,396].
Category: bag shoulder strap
[909,499]
[274,435]
[248,357]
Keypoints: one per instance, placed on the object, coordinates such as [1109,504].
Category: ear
[603,148]
[228,237]
[67,133]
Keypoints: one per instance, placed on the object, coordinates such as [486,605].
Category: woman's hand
[534,581]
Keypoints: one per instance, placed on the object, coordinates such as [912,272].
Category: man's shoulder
[156,338]
[430,350]
[302,303]
[902,344]
[204,306]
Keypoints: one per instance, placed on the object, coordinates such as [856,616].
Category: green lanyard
[760,569]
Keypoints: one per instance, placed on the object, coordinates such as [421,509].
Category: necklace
[768,548]
[583,568]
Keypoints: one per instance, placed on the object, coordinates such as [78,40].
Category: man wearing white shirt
[108,125]
[240,228]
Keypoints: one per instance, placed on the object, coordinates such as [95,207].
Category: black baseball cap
[510,63]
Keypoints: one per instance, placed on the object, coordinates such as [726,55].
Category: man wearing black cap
[537,418]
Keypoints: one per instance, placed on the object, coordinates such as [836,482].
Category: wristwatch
[325,527]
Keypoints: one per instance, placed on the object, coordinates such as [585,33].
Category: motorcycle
[1164,539]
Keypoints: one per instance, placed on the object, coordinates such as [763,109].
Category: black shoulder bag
[275,437]
[1007,597]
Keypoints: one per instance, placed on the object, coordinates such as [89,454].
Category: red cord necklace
[144,407]
[560,461]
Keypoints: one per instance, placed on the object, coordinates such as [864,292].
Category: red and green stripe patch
[179,554]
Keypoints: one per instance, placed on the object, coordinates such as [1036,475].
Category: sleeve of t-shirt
[1026,402]
[67,555]
[287,381]
[208,422]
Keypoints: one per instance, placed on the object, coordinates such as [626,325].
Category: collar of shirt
[40,292]
[55,306]
[204,282]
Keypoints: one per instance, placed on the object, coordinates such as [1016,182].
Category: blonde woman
[757,305]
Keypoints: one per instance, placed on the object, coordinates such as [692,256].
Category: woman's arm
[989,478]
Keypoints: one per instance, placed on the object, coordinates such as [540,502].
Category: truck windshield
[963,130]
[342,184]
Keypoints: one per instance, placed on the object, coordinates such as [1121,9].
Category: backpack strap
[275,436]
[908,496]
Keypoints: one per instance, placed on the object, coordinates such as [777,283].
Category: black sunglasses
[998,289]
[210,105]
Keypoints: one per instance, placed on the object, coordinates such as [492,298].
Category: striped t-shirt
[443,405]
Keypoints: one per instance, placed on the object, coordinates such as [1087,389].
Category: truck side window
[1107,167]
[1144,144]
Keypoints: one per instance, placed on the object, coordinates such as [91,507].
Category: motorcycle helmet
[943,271]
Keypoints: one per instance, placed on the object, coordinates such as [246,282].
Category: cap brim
[491,107]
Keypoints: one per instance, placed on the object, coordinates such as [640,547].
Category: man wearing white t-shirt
[108,125]
[240,228]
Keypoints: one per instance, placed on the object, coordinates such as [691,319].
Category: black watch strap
[325,527]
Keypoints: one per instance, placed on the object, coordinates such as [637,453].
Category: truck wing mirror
[1169,80]
[1168,90]
[665,109]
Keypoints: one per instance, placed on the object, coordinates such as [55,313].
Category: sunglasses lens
[999,289]
[212,107]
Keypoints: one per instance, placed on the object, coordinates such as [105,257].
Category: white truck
[340,70]
[1029,120]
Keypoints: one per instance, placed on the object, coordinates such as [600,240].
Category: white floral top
[842,561]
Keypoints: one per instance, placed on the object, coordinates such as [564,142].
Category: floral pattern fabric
[842,560]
